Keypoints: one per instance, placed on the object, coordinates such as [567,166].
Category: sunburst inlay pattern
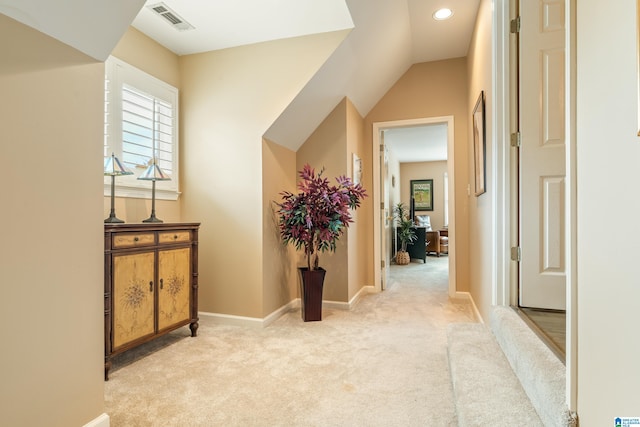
[134,295]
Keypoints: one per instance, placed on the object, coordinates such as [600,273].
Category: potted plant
[406,232]
[313,220]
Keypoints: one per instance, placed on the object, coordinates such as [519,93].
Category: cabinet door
[174,272]
[133,297]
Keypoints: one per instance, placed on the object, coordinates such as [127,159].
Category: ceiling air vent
[170,16]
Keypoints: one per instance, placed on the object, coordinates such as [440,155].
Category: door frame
[505,221]
[378,127]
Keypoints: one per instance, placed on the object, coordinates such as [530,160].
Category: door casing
[378,235]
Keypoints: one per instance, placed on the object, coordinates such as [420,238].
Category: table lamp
[113,168]
[153,173]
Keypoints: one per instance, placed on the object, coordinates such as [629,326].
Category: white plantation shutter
[139,112]
[140,124]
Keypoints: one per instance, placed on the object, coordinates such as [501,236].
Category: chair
[437,243]
[434,241]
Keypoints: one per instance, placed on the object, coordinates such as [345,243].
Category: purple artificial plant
[317,216]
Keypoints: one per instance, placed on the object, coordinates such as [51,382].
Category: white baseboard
[230,319]
[252,322]
[101,421]
[466,296]
[255,322]
[292,305]
[339,305]
[362,292]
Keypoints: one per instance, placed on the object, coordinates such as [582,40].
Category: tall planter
[406,232]
[313,219]
[311,287]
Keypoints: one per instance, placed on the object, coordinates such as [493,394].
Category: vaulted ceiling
[387,37]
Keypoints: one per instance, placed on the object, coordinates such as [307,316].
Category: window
[141,123]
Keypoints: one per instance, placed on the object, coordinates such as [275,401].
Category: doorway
[505,293]
[382,241]
[541,181]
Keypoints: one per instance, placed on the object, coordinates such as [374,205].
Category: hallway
[383,363]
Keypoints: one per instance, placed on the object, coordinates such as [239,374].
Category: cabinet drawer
[174,237]
[128,240]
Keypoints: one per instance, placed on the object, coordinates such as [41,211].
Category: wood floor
[550,325]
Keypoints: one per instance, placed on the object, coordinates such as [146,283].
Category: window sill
[141,193]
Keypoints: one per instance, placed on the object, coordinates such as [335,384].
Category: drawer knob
[175,237]
[135,239]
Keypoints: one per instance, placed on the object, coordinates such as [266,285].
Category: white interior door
[385,224]
[542,182]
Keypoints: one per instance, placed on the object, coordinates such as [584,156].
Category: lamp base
[113,220]
[152,218]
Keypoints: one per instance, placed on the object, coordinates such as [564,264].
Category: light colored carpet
[384,363]
[486,389]
[541,373]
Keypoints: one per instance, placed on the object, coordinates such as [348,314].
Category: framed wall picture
[357,169]
[422,194]
[479,145]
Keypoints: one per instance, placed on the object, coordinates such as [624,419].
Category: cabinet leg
[107,367]
[194,329]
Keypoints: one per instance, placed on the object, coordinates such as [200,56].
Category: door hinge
[381,205]
[516,254]
[381,148]
[515,139]
[381,263]
[515,25]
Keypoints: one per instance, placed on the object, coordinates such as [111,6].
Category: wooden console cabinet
[150,283]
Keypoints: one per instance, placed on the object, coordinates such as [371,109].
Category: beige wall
[52,304]
[280,276]
[331,146]
[608,152]
[426,170]
[436,89]
[360,239]
[142,52]
[395,197]
[138,50]
[326,148]
[229,99]
[481,211]
[395,189]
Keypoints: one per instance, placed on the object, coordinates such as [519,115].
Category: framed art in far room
[422,194]
[479,146]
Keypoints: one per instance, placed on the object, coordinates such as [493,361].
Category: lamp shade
[154,173]
[113,167]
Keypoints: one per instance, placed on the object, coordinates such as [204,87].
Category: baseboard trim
[466,296]
[252,322]
[339,305]
[100,421]
[292,305]
[365,290]
[230,319]
[255,322]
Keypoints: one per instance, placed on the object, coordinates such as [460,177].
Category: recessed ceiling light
[442,14]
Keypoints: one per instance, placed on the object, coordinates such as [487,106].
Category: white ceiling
[388,36]
[92,27]
[418,143]
[224,24]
